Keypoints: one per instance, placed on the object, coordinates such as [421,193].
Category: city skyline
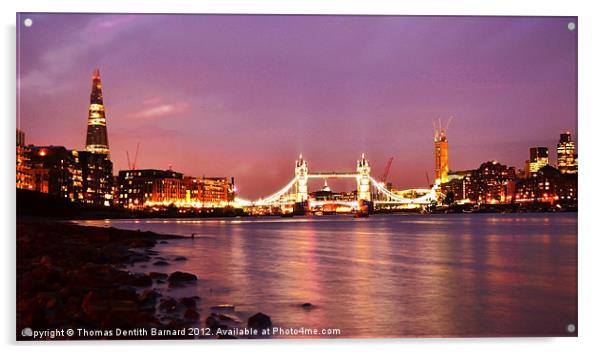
[182,114]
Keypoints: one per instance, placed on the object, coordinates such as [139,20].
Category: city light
[89,179]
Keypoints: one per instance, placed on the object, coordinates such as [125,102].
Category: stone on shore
[176,279]
[259,321]
[189,302]
[213,322]
[191,314]
[168,305]
[157,275]
[71,276]
[140,280]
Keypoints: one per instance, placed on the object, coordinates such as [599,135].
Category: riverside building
[538,158]
[150,188]
[24,176]
[566,157]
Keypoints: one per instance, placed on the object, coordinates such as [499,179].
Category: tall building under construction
[441,155]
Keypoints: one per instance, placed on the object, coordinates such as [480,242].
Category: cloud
[159,111]
[56,61]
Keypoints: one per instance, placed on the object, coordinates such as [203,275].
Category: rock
[213,323]
[180,278]
[189,302]
[161,263]
[95,305]
[191,314]
[227,318]
[180,258]
[223,307]
[157,275]
[124,293]
[259,321]
[148,299]
[138,257]
[140,280]
[52,302]
[307,306]
[163,242]
[168,305]
[123,306]
[139,243]
[125,314]
[45,261]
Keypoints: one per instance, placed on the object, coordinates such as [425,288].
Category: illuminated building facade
[326,194]
[491,183]
[168,190]
[96,137]
[24,176]
[441,155]
[458,184]
[332,202]
[97,177]
[209,192]
[139,189]
[565,150]
[56,170]
[538,158]
[548,185]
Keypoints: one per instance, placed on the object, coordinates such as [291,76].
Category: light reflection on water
[385,276]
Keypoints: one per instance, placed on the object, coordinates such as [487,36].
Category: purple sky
[242,96]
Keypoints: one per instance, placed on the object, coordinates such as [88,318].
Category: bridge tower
[363,179]
[302,178]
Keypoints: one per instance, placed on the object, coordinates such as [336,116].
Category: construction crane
[383,179]
[132,166]
[441,131]
[127,153]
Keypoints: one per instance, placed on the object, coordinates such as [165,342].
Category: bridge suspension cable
[276,196]
[425,199]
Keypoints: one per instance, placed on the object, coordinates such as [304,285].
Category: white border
[590,79]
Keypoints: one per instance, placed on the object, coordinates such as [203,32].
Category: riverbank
[43,205]
[73,277]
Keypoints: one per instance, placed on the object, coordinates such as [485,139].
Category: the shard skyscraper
[96,138]
[95,162]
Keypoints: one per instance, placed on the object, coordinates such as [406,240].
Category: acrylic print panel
[251,176]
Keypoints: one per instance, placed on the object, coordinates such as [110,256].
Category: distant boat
[318,213]
[362,210]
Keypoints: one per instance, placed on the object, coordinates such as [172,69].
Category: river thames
[383,276]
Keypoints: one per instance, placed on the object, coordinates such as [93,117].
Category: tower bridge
[368,189]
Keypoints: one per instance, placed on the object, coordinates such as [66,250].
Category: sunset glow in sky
[242,96]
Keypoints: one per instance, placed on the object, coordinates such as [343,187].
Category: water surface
[385,276]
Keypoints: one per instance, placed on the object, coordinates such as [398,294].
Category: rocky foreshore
[73,283]
[73,277]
